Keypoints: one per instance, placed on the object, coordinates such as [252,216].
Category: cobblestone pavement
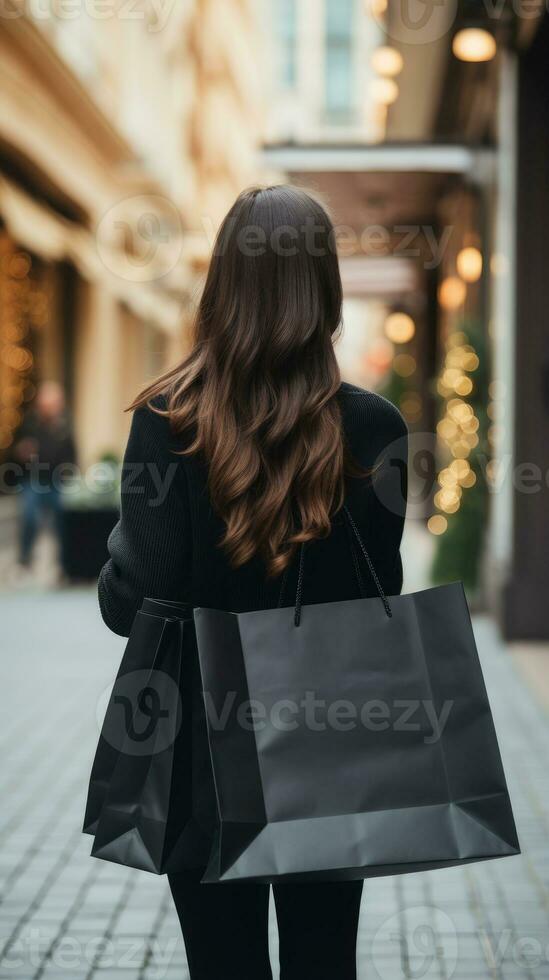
[66,916]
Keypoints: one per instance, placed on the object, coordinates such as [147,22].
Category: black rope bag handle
[300,575]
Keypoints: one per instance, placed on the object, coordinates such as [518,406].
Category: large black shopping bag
[351,739]
[139,808]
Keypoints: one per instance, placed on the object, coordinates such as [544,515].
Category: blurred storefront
[439,107]
[123,138]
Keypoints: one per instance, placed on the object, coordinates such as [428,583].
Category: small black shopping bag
[139,806]
[351,739]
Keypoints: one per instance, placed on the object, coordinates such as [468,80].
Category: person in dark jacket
[44,449]
[237,456]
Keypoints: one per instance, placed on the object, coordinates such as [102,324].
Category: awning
[40,230]
[384,276]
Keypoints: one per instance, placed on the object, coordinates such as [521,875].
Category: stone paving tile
[66,917]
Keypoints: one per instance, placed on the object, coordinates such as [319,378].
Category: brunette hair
[256,397]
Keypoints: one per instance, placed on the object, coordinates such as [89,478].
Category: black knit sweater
[166,544]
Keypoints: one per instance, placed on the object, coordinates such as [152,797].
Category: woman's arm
[387,510]
[378,504]
[150,547]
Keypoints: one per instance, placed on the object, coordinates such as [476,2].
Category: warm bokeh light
[411,406]
[448,499]
[469,264]
[400,328]
[387,61]
[17,358]
[458,428]
[463,386]
[447,478]
[459,410]
[456,339]
[19,265]
[437,524]
[469,480]
[383,90]
[452,292]
[470,361]
[471,425]
[447,429]
[404,365]
[12,395]
[450,377]
[474,44]
[459,468]
[11,417]
[460,449]
[376,7]
[6,439]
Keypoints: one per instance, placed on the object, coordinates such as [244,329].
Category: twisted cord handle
[299,589]
[371,568]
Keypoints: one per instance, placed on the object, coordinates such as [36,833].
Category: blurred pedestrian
[44,447]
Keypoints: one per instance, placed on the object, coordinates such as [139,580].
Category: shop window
[339,95]
[286,29]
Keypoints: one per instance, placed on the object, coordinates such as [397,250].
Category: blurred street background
[127,128]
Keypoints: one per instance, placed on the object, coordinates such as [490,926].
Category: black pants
[225,928]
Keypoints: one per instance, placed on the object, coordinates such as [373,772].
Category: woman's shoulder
[365,410]
[151,426]
[154,425]
[152,414]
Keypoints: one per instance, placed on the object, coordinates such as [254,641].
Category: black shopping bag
[139,806]
[351,739]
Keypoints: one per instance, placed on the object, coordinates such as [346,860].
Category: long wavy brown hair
[256,397]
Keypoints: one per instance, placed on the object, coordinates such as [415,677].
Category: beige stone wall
[223,45]
[129,139]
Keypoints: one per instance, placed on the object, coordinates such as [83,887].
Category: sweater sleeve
[388,501]
[150,547]
[380,502]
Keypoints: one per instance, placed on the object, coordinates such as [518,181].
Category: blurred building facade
[320,70]
[124,136]
[432,167]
